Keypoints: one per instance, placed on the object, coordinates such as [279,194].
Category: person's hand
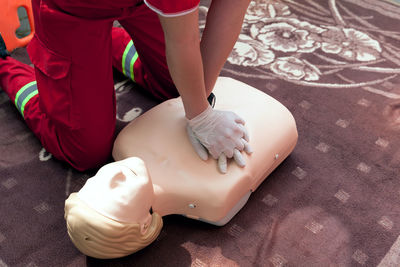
[222,133]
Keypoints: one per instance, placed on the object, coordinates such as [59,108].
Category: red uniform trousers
[68,99]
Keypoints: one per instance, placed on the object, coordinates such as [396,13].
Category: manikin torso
[182,182]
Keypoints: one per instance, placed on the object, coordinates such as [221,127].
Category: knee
[93,153]
[91,158]
[85,151]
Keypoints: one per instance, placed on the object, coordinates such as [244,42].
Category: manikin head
[110,216]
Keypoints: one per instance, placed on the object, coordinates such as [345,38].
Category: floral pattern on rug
[318,44]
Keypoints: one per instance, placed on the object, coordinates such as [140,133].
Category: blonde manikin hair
[100,237]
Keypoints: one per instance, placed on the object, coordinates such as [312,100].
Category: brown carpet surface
[335,201]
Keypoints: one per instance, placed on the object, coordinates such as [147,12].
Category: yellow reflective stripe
[24,95]
[131,67]
[128,60]
[124,58]
[26,101]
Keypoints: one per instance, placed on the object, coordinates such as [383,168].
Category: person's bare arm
[221,132]
[223,25]
[184,60]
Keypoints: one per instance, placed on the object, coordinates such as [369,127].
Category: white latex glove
[222,133]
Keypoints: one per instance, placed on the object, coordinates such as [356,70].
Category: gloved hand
[222,133]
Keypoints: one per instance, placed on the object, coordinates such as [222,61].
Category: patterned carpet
[335,201]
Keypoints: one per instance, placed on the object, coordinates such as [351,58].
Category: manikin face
[122,191]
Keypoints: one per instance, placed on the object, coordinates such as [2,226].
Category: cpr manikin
[157,169]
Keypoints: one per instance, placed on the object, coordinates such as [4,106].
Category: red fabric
[172,8]
[14,75]
[73,50]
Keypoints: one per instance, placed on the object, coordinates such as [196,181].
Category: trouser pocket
[54,83]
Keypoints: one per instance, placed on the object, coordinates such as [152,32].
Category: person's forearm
[185,62]
[186,69]
[224,22]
